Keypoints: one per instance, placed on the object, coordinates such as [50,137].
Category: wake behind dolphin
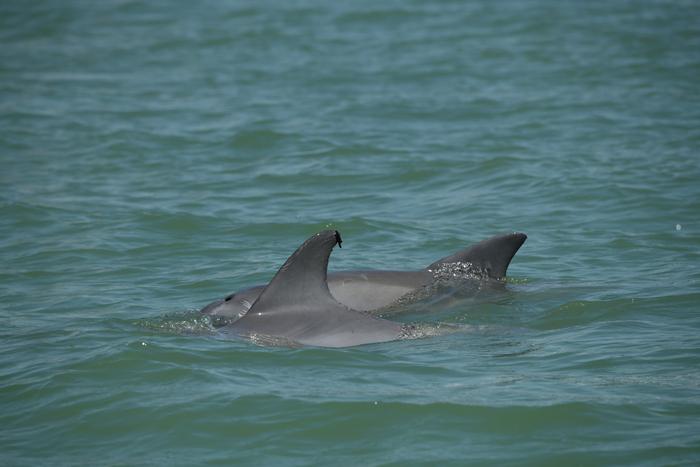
[304,305]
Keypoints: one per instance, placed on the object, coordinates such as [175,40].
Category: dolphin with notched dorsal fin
[373,291]
[297,306]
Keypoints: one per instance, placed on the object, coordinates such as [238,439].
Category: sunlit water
[156,156]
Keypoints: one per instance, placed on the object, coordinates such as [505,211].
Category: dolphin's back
[371,290]
[374,290]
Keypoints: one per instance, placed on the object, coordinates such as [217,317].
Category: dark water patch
[258,139]
[581,312]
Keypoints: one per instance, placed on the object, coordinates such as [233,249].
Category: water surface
[155,157]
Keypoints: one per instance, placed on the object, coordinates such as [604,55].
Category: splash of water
[182,323]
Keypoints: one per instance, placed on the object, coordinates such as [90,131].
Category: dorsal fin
[303,277]
[492,255]
[298,306]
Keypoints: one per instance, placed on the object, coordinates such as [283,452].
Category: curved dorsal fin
[303,277]
[492,255]
[298,306]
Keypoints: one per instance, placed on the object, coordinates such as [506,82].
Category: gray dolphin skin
[297,305]
[373,291]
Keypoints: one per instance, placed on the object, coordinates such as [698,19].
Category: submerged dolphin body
[297,306]
[370,291]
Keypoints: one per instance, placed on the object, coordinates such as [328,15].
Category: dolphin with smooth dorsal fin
[297,306]
[373,291]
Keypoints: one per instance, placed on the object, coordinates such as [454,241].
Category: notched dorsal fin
[492,255]
[298,306]
[302,278]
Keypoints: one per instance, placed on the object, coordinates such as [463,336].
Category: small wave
[423,330]
[258,138]
[191,322]
[584,312]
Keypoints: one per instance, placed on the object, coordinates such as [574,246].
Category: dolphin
[297,306]
[374,291]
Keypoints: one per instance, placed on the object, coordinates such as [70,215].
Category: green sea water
[155,156]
